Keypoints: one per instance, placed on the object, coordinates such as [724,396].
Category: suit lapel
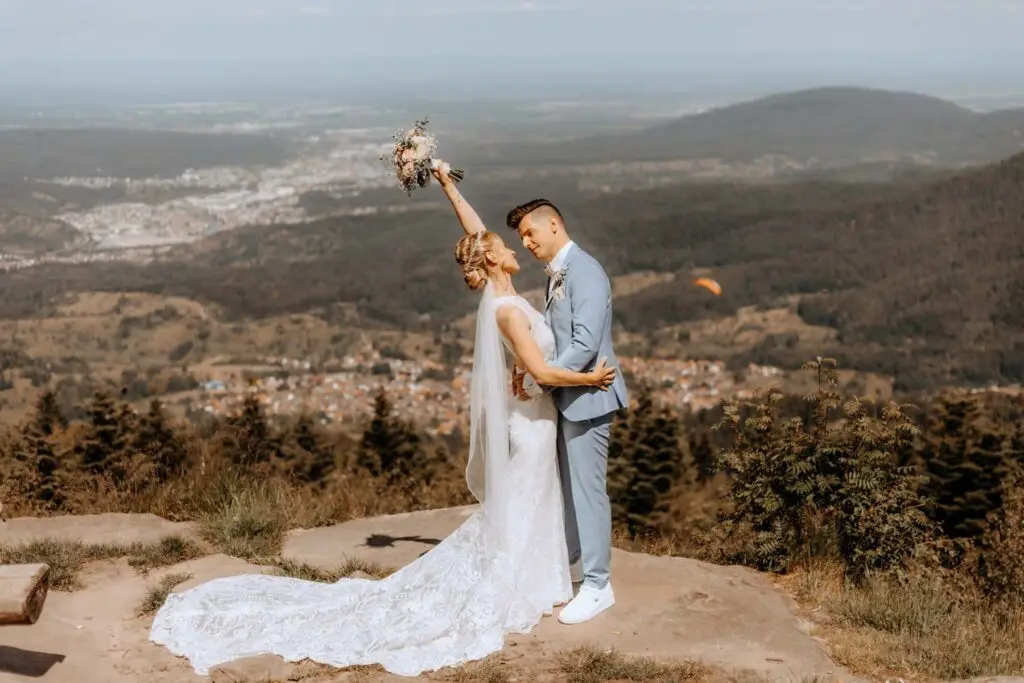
[565,266]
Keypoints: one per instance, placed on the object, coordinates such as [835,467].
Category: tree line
[760,481]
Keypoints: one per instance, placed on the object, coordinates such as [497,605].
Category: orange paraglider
[709,284]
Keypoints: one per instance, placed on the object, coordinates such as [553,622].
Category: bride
[500,572]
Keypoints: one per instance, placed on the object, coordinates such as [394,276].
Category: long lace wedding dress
[498,573]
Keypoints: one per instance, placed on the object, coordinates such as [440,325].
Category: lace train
[454,604]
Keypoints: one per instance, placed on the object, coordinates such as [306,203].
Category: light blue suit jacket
[581,321]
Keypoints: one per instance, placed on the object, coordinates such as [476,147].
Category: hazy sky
[63,41]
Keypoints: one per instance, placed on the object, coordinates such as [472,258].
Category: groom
[578,309]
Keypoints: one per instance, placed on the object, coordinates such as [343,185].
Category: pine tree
[391,448]
[1016,447]
[702,455]
[966,460]
[42,467]
[127,421]
[48,417]
[309,457]
[155,438]
[621,468]
[644,464]
[658,456]
[102,448]
[256,444]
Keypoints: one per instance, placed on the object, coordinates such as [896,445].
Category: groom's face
[539,236]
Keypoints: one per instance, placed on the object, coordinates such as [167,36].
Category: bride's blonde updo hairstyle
[471,255]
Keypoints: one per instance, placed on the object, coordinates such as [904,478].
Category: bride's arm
[468,217]
[514,324]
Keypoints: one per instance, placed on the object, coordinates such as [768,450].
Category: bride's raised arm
[514,324]
[468,217]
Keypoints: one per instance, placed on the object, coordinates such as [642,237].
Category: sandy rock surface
[669,608]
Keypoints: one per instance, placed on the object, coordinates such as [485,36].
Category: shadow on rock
[385,541]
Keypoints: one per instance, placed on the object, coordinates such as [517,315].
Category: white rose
[421,147]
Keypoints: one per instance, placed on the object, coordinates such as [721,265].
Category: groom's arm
[589,299]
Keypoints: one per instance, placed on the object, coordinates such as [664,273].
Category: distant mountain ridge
[927,281]
[823,127]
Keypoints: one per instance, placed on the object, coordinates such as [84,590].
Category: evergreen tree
[127,421]
[965,459]
[1016,448]
[42,467]
[391,448]
[658,456]
[255,443]
[48,417]
[648,458]
[702,455]
[309,457]
[621,468]
[102,448]
[155,438]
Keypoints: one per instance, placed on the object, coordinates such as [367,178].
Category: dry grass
[67,558]
[587,664]
[157,595]
[580,665]
[352,566]
[246,511]
[491,670]
[590,665]
[918,630]
[249,523]
[246,514]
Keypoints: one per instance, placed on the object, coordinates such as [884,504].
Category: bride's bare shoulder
[510,314]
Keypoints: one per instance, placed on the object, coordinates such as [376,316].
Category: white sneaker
[587,604]
[576,571]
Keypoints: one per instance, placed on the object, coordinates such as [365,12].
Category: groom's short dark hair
[516,215]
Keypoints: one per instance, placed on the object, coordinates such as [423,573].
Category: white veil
[488,465]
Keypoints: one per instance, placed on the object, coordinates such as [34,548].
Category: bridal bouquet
[414,155]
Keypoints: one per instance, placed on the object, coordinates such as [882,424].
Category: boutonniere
[557,283]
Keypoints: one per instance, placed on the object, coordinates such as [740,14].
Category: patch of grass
[66,558]
[214,483]
[157,595]
[357,674]
[308,572]
[918,629]
[490,670]
[165,552]
[249,522]
[591,665]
